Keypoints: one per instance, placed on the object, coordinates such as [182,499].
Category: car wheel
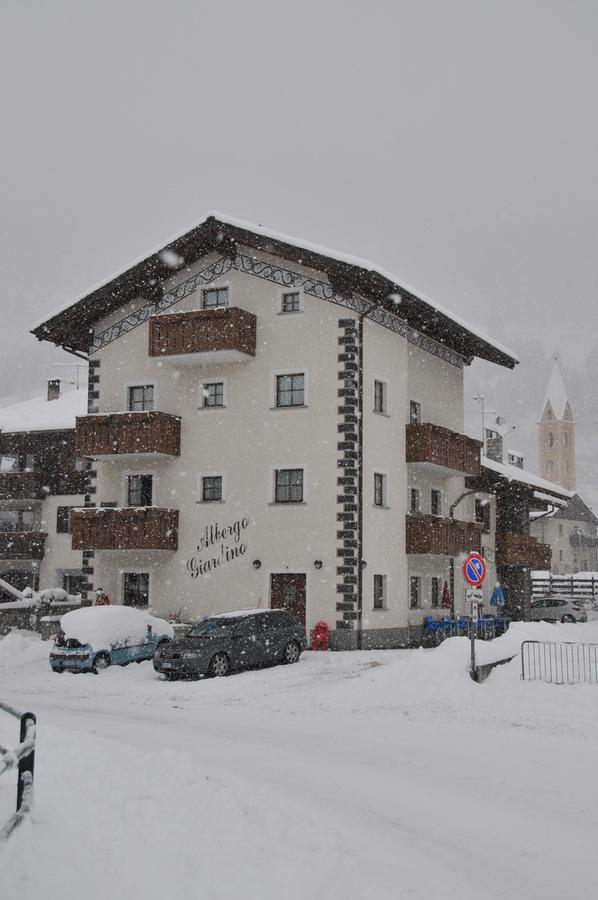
[568,618]
[100,663]
[220,665]
[291,653]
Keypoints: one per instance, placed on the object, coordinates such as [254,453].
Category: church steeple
[556,433]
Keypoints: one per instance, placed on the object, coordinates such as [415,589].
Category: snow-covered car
[96,637]
[235,640]
[559,608]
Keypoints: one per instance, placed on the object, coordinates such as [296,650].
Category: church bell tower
[556,434]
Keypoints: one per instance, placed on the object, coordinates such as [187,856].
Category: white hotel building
[273,424]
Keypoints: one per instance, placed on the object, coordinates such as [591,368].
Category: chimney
[493,445]
[53,388]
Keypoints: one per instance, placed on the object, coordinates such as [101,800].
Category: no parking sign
[474,569]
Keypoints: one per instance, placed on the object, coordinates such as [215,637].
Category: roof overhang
[71,326]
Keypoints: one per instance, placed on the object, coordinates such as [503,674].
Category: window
[414,591]
[414,500]
[566,467]
[63,519]
[550,439]
[482,514]
[290,390]
[560,555]
[9,520]
[291,302]
[9,464]
[136,589]
[211,488]
[549,467]
[560,530]
[380,397]
[139,490]
[288,486]
[74,584]
[435,592]
[212,298]
[565,438]
[213,394]
[379,591]
[435,502]
[141,398]
[379,489]
[415,412]
[79,464]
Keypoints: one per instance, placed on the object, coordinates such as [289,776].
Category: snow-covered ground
[351,775]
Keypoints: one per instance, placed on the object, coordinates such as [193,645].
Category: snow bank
[22,648]
[103,625]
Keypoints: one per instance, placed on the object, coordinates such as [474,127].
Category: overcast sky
[453,143]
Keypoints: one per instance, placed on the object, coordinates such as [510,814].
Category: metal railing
[23,757]
[559,662]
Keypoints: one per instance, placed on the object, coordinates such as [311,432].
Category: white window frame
[128,571]
[420,599]
[272,483]
[421,410]
[414,512]
[125,488]
[216,379]
[297,370]
[200,479]
[384,592]
[289,290]
[139,383]
[385,406]
[385,490]
[216,286]
[440,514]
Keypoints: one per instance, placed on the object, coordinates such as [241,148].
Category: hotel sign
[218,545]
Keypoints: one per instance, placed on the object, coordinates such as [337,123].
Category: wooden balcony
[442,447]
[22,544]
[443,537]
[203,337]
[21,486]
[125,528]
[128,433]
[521,550]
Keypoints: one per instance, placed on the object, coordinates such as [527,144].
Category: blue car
[94,638]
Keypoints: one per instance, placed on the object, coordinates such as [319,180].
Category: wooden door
[287,591]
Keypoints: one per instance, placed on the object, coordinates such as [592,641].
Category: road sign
[474,569]
[475,594]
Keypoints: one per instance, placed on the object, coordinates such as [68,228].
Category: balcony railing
[128,433]
[22,544]
[125,528]
[521,550]
[444,537]
[21,486]
[442,447]
[203,336]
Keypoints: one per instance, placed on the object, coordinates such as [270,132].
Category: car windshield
[213,627]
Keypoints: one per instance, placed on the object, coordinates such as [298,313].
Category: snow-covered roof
[239,613]
[522,476]
[61,326]
[556,393]
[41,414]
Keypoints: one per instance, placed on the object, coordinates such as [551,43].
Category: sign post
[474,572]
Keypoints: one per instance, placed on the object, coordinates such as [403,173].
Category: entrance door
[288,592]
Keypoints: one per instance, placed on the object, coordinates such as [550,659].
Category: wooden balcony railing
[22,544]
[442,447]
[230,332]
[521,550]
[444,537]
[128,433]
[21,486]
[125,528]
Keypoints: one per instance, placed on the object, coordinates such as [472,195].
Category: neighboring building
[556,434]
[274,424]
[571,531]
[573,536]
[40,481]
[507,496]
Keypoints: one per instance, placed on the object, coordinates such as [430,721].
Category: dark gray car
[239,640]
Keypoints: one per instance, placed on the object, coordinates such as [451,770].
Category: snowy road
[370,775]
